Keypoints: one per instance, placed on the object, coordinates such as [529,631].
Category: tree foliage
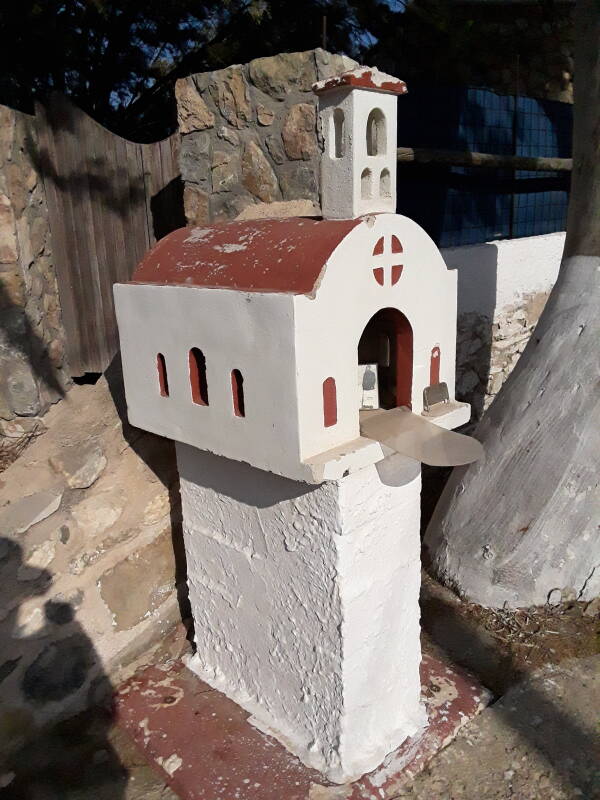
[118,59]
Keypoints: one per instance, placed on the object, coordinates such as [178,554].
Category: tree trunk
[525,521]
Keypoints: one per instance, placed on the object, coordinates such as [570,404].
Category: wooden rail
[457,158]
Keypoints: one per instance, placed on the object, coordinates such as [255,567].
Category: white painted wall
[305,603]
[329,326]
[495,275]
[341,177]
[285,347]
[251,332]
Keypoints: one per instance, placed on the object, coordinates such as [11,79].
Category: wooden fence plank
[99,190]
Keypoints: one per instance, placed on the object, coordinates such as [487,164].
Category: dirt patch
[502,646]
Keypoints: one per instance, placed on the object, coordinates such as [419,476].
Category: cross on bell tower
[358,119]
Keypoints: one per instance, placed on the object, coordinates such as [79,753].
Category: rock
[19,516]
[194,157]
[8,237]
[81,465]
[37,560]
[12,289]
[278,75]
[299,132]
[25,426]
[158,508]
[21,389]
[228,135]
[264,115]
[59,670]
[299,181]
[192,112]
[30,620]
[97,513]
[230,93]
[257,174]
[225,171]
[275,148]
[195,203]
[330,64]
[151,570]
[17,191]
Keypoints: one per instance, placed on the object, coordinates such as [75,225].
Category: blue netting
[459,205]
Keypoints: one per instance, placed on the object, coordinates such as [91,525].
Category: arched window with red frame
[198,383]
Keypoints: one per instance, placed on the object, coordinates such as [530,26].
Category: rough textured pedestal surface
[305,603]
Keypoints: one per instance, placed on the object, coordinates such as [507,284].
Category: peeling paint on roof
[363,78]
[266,255]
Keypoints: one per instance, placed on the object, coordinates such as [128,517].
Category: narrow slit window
[163,381]
[237,391]
[198,382]
[329,402]
[365,184]
[338,132]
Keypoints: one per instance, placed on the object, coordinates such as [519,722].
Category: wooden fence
[108,200]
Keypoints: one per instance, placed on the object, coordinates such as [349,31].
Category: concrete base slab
[206,749]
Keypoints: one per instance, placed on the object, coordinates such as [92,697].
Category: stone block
[299,132]
[151,570]
[17,190]
[81,465]
[192,112]
[194,157]
[19,516]
[229,91]
[226,171]
[275,148]
[299,181]
[264,115]
[8,237]
[257,174]
[98,512]
[20,389]
[195,203]
[278,75]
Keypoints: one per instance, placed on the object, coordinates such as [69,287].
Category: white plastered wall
[329,326]
[341,194]
[251,332]
[305,603]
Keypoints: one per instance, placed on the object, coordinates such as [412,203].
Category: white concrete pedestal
[305,603]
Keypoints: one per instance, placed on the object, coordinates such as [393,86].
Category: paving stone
[80,464]
[19,516]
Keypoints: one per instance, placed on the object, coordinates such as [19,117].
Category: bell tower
[357,110]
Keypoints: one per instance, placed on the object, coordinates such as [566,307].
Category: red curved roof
[266,255]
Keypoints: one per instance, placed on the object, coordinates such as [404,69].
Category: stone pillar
[305,603]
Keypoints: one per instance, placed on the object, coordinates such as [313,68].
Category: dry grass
[11,448]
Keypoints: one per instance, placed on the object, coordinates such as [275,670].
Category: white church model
[304,368]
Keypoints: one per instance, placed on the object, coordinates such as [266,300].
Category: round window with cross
[387,270]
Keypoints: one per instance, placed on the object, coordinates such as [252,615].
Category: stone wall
[92,569]
[502,289]
[33,369]
[250,134]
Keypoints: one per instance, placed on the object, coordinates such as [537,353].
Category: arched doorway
[387,341]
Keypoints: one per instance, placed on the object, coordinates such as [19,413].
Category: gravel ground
[540,740]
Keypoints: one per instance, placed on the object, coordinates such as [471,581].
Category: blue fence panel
[466,205]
